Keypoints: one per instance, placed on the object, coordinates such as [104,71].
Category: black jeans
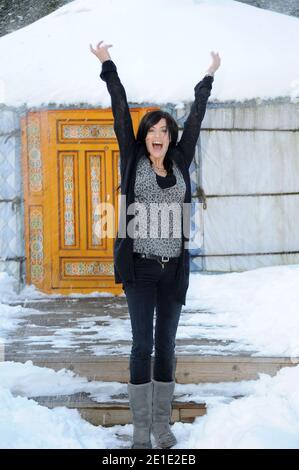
[154,287]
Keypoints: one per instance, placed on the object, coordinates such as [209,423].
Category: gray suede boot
[162,398]
[141,403]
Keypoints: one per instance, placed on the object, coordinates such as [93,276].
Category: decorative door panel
[71,175]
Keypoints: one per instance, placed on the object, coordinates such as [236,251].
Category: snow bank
[259,307]
[267,418]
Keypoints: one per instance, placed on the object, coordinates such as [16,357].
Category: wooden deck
[76,334]
[84,327]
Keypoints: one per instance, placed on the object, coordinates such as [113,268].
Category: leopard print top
[158,212]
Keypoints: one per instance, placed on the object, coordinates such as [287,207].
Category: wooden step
[189,369]
[97,358]
[112,413]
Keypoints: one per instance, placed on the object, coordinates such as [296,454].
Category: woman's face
[157,139]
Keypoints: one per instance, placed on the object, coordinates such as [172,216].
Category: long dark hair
[150,119]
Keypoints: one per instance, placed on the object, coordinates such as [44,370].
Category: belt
[160,259]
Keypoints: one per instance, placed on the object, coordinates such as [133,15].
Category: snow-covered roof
[161,48]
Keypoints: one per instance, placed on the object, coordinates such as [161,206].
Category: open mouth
[157,146]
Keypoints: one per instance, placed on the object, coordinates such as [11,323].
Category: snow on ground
[28,380]
[26,425]
[11,316]
[268,417]
[257,307]
[258,310]
[257,48]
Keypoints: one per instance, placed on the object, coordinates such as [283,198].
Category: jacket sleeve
[123,125]
[192,125]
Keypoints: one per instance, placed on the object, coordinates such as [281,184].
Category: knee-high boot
[141,403]
[162,399]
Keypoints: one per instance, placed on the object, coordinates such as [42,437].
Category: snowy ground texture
[267,418]
[258,307]
[257,48]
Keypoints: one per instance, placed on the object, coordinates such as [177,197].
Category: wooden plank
[189,369]
[187,415]
[110,414]
[228,368]
[107,418]
[101,417]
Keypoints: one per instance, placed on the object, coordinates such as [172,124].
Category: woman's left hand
[215,62]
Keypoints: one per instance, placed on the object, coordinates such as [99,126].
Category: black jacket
[131,151]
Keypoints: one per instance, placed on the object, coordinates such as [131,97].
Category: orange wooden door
[70,163]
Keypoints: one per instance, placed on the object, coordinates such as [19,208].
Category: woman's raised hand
[101,52]
[216,61]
